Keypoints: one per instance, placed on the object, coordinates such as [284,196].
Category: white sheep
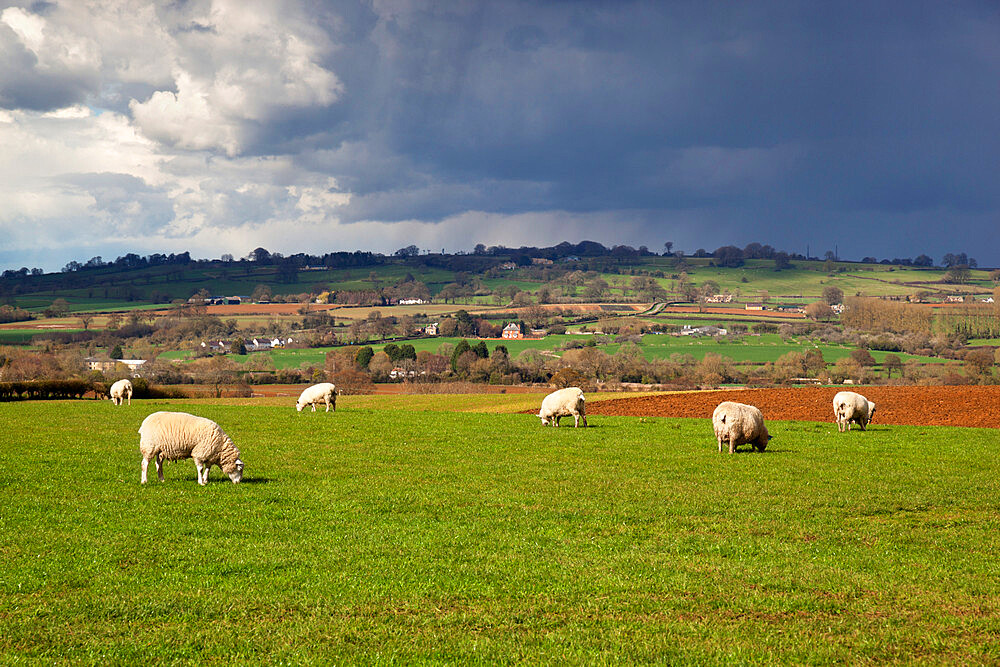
[563,403]
[739,424]
[324,392]
[120,391]
[848,407]
[171,436]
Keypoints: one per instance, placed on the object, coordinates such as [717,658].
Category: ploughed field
[976,406]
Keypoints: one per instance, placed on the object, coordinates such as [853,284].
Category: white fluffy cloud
[235,66]
[166,99]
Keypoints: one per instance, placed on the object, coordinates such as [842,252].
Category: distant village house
[106,365]
[512,330]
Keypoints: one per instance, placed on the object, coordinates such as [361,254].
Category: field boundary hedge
[43,390]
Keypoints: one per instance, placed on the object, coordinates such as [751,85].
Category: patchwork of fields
[752,349]
[432,535]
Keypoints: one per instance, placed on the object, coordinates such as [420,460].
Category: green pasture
[752,349]
[755,349]
[371,535]
[15,335]
[80,304]
[807,280]
[9,336]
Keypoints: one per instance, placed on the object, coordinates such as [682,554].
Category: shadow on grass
[765,452]
[254,480]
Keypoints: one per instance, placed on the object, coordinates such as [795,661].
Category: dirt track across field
[977,406]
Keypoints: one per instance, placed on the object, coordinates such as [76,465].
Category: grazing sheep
[120,391]
[563,403]
[739,424]
[171,436]
[851,407]
[324,392]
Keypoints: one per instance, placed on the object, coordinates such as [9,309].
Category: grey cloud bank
[217,127]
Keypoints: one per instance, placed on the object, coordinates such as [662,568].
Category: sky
[219,126]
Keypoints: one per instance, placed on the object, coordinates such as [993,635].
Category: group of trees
[10,313]
[870,314]
[591,366]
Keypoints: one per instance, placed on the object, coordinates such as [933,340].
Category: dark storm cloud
[757,109]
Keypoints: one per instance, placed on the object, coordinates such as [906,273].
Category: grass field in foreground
[372,535]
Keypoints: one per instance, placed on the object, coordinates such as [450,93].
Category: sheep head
[237,472]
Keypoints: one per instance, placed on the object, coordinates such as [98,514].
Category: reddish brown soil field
[977,406]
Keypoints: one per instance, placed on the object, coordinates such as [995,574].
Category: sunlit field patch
[378,535]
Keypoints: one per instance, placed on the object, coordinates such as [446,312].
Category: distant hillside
[565,273]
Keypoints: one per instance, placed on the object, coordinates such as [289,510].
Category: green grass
[8,336]
[805,280]
[752,349]
[377,536]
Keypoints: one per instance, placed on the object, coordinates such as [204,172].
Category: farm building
[755,306]
[104,365]
[216,346]
[709,330]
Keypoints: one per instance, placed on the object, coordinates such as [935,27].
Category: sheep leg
[583,418]
[159,467]
[130,399]
[328,405]
[556,420]
[720,444]
[314,407]
[732,446]
[576,420]
[145,464]
[202,472]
